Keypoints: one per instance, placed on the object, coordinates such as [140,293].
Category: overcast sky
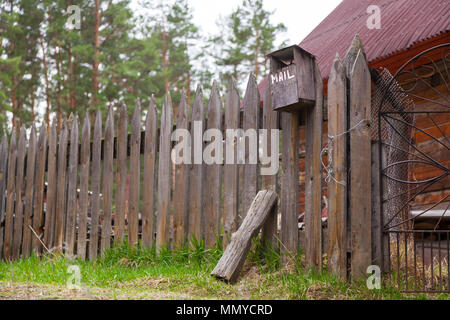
[299,16]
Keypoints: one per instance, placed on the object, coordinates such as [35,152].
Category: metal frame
[424,281]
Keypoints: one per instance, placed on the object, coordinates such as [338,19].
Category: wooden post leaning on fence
[182,170]
[337,157]
[231,169]
[213,188]
[164,175]
[360,164]
[232,260]
[313,181]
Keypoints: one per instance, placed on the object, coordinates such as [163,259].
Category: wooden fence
[80,191]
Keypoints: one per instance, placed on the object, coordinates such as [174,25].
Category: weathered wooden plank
[164,175]
[360,175]
[337,151]
[3,175]
[60,213]
[84,187]
[148,187]
[133,202]
[18,211]
[108,156]
[72,177]
[39,190]
[95,182]
[349,61]
[10,194]
[289,187]
[49,224]
[8,236]
[231,168]
[250,122]
[197,168]
[231,262]
[28,201]
[376,220]
[213,157]
[182,169]
[313,181]
[270,181]
[121,175]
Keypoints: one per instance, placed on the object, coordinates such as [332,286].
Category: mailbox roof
[404,24]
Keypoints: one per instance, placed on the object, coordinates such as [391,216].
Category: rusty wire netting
[396,137]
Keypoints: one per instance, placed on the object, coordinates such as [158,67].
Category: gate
[413,129]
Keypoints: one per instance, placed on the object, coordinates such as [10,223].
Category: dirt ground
[34,291]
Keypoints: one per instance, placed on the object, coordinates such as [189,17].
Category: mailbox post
[292,79]
[293,87]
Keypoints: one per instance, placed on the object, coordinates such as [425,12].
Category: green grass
[131,273]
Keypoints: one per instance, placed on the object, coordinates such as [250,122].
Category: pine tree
[247,36]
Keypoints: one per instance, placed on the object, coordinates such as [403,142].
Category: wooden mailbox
[291,79]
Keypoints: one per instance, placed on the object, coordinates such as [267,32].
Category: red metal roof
[404,23]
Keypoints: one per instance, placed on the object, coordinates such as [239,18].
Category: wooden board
[8,233]
[72,177]
[289,188]
[270,182]
[84,187]
[213,188]
[182,170]
[108,156]
[28,201]
[196,176]
[232,260]
[18,210]
[61,189]
[230,169]
[96,175]
[360,173]
[3,175]
[38,201]
[49,224]
[164,175]
[133,201]
[121,175]
[337,151]
[313,180]
[149,184]
[250,121]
